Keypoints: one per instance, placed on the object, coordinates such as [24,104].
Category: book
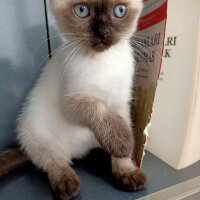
[148,45]
[174,135]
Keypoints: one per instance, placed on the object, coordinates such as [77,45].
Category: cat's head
[98,24]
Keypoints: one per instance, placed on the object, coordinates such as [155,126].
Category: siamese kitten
[81,100]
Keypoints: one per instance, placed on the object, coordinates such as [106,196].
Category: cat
[81,100]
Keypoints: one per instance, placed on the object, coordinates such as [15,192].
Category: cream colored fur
[43,131]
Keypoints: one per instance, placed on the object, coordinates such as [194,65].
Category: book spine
[148,45]
[172,134]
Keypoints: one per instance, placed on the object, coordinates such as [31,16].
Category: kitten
[81,100]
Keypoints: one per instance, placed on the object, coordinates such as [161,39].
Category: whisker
[143,48]
[150,64]
[143,63]
[66,59]
[40,44]
[57,50]
[150,41]
[156,55]
[63,47]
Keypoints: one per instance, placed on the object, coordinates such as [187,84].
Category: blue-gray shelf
[96,180]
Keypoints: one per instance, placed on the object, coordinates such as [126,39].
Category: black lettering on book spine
[142,47]
[170,41]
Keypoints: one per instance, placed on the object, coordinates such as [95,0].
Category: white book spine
[172,135]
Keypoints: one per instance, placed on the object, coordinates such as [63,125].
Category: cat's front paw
[131,181]
[65,184]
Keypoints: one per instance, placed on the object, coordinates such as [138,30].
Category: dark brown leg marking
[64,181]
[131,181]
[114,135]
[110,129]
[128,177]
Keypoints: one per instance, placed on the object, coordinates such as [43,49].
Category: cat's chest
[109,79]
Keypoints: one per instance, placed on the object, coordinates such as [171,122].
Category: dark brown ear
[11,159]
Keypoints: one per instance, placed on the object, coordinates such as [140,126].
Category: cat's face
[98,24]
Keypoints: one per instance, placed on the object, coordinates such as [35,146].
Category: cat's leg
[126,175]
[49,157]
[63,179]
[110,129]
[47,151]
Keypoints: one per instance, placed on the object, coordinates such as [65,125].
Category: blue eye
[82,10]
[120,11]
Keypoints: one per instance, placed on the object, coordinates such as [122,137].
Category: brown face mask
[98,24]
